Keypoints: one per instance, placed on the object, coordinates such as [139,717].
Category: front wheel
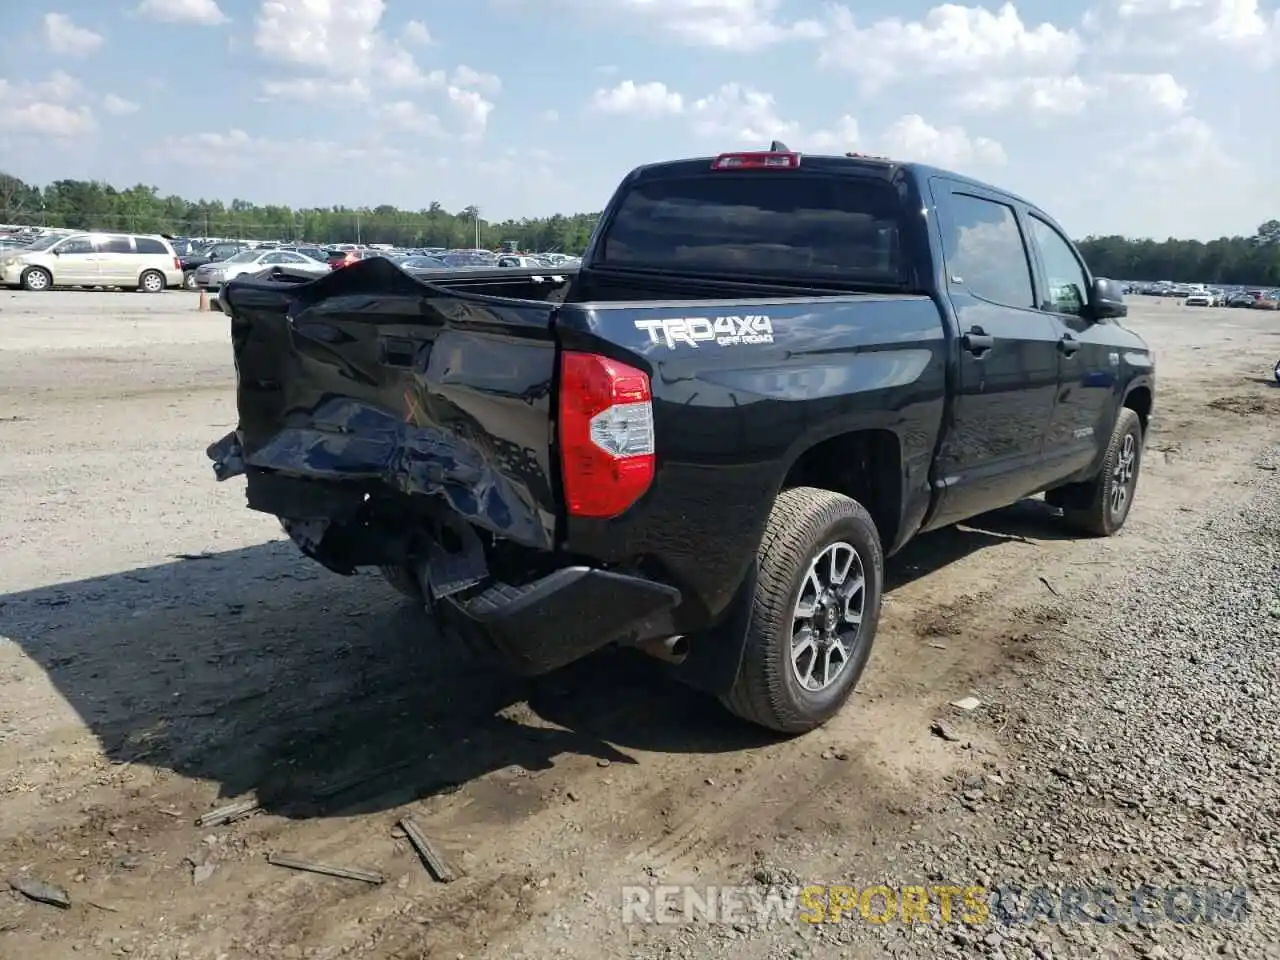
[189,280]
[1101,506]
[37,280]
[814,614]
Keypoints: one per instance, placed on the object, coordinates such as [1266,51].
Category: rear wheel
[37,279]
[1101,506]
[814,614]
[152,281]
[189,280]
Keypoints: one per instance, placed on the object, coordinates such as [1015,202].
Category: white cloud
[486,83]
[406,115]
[1180,27]
[912,139]
[205,13]
[950,40]
[739,25]
[841,137]
[474,110]
[316,90]
[551,116]
[415,31]
[44,108]
[65,37]
[236,151]
[1150,176]
[342,38]
[1073,95]
[629,98]
[118,106]
[737,114]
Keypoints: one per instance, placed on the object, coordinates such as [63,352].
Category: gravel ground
[163,652]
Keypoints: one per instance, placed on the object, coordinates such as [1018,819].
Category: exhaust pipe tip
[668,649]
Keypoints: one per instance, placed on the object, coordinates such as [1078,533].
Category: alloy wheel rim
[826,621]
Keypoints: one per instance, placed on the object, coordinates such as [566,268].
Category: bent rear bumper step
[562,617]
[533,628]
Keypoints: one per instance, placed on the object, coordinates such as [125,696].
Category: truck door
[1007,365]
[1088,365]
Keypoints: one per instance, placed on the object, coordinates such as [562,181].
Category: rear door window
[115,245]
[149,245]
[762,224]
[985,253]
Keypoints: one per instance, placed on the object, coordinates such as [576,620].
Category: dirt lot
[164,652]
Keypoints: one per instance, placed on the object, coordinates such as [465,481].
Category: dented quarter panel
[372,375]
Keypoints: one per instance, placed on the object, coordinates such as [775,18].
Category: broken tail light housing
[607,453]
[758,160]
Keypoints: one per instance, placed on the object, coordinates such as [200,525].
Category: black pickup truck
[770,372]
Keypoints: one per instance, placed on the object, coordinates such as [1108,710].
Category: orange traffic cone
[204,300]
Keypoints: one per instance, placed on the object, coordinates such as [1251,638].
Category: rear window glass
[840,228]
[148,245]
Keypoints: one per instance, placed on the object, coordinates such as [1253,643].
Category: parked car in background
[339,258]
[1241,298]
[129,261]
[420,263]
[213,275]
[1201,298]
[210,253]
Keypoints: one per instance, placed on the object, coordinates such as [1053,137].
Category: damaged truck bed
[703,443]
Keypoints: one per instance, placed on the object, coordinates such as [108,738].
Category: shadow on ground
[327,695]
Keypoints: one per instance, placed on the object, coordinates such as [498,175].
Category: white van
[131,261]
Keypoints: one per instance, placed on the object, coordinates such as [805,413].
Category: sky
[1137,117]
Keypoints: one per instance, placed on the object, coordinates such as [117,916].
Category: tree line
[90,205]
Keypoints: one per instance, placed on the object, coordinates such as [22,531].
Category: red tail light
[763,160]
[177,263]
[606,434]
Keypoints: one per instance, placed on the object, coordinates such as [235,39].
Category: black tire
[1096,508]
[152,281]
[189,280]
[404,580]
[804,522]
[37,280]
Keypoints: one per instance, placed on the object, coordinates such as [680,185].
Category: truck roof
[829,163]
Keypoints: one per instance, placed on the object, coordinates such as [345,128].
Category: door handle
[1068,345]
[977,341]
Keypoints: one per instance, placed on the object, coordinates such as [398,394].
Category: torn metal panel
[376,378]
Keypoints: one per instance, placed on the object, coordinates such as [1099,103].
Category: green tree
[81,204]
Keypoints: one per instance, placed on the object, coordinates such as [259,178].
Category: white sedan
[213,275]
[1200,299]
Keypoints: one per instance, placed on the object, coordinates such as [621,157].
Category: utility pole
[477,228]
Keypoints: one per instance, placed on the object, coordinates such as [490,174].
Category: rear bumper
[533,627]
[548,623]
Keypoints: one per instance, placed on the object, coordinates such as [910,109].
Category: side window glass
[76,245]
[115,245]
[985,253]
[1068,288]
[149,245]
[274,258]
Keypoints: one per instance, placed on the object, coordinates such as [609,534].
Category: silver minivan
[131,261]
